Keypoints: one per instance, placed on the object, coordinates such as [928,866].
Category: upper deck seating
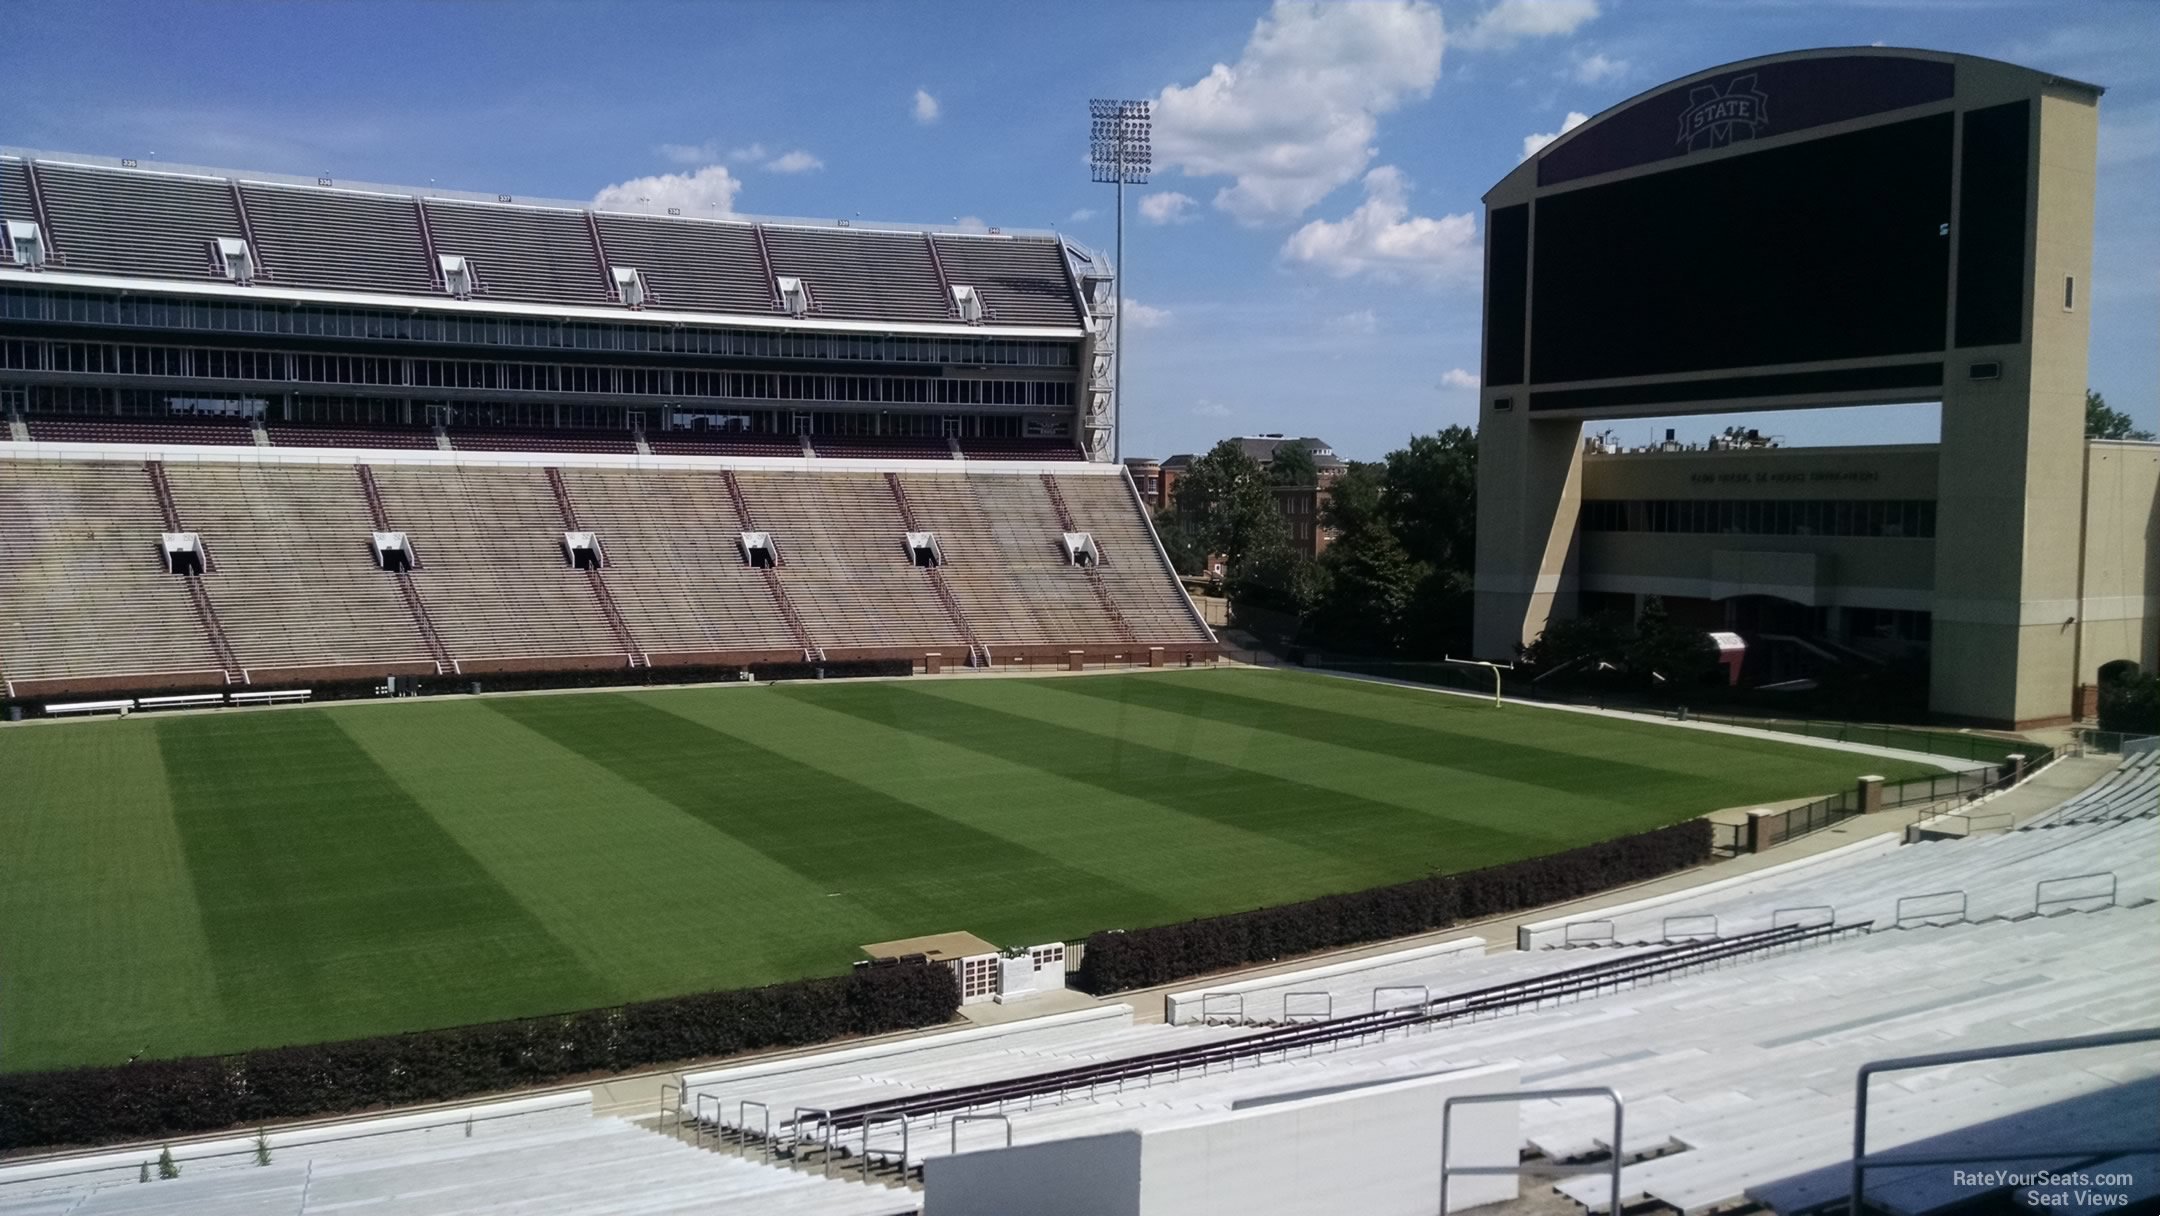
[313,236]
[159,225]
[534,254]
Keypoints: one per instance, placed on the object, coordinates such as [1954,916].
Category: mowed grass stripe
[632,883]
[918,871]
[102,953]
[1126,843]
[1728,768]
[1557,774]
[334,905]
[1456,805]
[1309,816]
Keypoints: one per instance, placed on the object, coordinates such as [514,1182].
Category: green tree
[2103,422]
[1292,465]
[1665,652]
[1430,498]
[1371,589]
[1353,500]
[1181,543]
[2130,701]
[1227,503]
[166,1166]
[1581,642]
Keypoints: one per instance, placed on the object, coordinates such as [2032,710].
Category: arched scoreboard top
[1767,99]
[1825,227]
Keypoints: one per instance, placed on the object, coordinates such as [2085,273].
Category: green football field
[208,883]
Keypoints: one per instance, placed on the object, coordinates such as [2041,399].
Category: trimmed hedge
[1117,960]
[80,1106]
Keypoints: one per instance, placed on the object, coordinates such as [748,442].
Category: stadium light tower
[1119,152]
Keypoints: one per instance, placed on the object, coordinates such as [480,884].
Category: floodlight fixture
[1121,152]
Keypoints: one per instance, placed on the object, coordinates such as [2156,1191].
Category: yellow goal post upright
[1495,668]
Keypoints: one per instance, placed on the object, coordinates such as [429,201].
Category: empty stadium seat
[178,428]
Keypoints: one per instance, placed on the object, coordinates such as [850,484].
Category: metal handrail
[2112,887]
[1567,931]
[1775,923]
[824,1121]
[1862,1161]
[1906,899]
[1666,931]
[697,1115]
[1325,995]
[1205,997]
[957,1120]
[871,1122]
[664,1088]
[742,1120]
[1447,1117]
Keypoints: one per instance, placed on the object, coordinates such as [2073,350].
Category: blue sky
[1306,261]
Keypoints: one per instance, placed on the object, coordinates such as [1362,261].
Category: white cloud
[708,191]
[1144,316]
[1208,408]
[1381,238]
[926,107]
[748,152]
[1166,207]
[1597,69]
[1456,377]
[1531,143]
[1511,21]
[797,161]
[1296,115]
[970,223]
[1363,321]
[1082,216]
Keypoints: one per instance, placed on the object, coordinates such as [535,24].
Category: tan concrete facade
[2119,612]
[2001,584]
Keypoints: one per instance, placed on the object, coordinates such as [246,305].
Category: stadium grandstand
[274,432]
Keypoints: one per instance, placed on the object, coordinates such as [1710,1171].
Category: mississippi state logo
[1716,117]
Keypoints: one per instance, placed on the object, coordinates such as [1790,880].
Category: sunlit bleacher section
[698,265]
[844,558]
[548,1155]
[490,566]
[2131,791]
[675,564]
[86,601]
[297,586]
[1882,883]
[1107,509]
[861,276]
[1034,594]
[1733,1051]
[320,569]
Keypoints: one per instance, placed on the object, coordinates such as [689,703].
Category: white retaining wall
[1188,1006]
[1374,1151]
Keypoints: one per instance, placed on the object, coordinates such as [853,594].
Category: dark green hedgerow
[1118,960]
[178,1097]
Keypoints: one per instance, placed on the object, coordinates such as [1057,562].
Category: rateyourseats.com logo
[1715,117]
[2084,1190]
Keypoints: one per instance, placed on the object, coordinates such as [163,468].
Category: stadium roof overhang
[132,285]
